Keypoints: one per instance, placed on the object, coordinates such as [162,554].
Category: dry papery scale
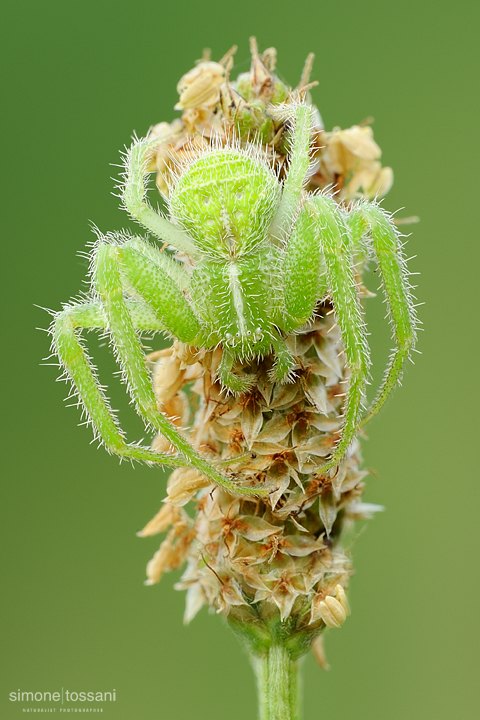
[276,568]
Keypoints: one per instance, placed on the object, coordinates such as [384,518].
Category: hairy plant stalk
[277,680]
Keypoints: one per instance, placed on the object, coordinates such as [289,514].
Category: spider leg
[384,238]
[229,379]
[81,371]
[304,279]
[283,360]
[295,180]
[135,202]
[158,280]
[332,235]
[115,312]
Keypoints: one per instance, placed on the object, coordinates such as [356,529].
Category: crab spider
[260,256]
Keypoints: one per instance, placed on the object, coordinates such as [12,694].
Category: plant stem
[277,682]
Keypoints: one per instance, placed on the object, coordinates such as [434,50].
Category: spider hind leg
[335,240]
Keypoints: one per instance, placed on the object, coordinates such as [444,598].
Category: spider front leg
[299,160]
[230,380]
[80,370]
[111,263]
[135,202]
[334,240]
[383,237]
[304,278]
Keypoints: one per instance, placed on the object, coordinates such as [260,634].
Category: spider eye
[206,200]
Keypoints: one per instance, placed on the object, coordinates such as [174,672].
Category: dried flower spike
[270,223]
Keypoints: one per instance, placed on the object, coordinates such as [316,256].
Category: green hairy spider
[246,259]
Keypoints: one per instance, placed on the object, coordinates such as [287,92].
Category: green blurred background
[78,79]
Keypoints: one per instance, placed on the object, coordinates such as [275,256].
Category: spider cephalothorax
[254,257]
[226,201]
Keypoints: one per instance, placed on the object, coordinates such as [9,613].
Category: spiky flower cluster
[278,566]
[214,106]
[258,402]
[260,562]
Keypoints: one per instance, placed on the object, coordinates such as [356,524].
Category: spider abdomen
[226,200]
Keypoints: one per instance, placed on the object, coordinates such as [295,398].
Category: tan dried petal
[246,553]
[161,445]
[160,561]
[296,479]
[275,429]
[264,448]
[161,131]
[299,545]
[166,516]
[297,524]
[359,141]
[200,86]
[178,409]
[255,579]
[251,421]
[338,479]
[354,477]
[181,546]
[193,372]
[324,424]
[187,354]
[230,414]
[315,610]
[167,378]
[332,612]
[346,148]
[328,353]
[254,528]
[296,501]
[205,121]
[383,183]
[265,387]
[194,601]
[370,181]
[230,594]
[318,650]
[328,511]
[316,393]
[283,396]
[278,476]
[183,483]
[342,599]
[363,511]
[283,598]
[220,432]
[299,344]
[319,445]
